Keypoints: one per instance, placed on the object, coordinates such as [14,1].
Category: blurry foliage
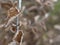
[41,32]
[56,10]
[54,15]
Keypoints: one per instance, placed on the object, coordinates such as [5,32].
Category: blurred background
[40,22]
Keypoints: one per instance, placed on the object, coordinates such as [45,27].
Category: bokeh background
[46,32]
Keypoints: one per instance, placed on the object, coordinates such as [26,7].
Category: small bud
[13,29]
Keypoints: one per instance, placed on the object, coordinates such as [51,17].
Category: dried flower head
[13,28]
[18,36]
[12,12]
